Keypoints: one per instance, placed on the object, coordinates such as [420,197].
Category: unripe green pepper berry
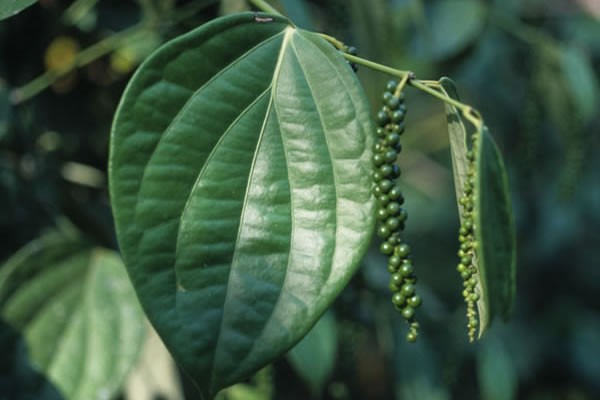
[391,85]
[414,301]
[391,139]
[387,95]
[407,289]
[395,261]
[408,312]
[378,159]
[397,279]
[398,299]
[383,232]
[382,118]
[411,337]
[382,214]
[393,208]
[393,223]
[385,185]
[389,156]
[393,102]
[407,269]
[396,194]
[403,250]
[383,200]
[386,248]
[386,170]
[397,116]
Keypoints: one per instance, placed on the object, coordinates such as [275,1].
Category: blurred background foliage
[531,67]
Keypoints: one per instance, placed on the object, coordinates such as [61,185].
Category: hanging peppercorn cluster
[390,214]
[468,245]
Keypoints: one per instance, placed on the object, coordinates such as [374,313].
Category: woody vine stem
[406,77]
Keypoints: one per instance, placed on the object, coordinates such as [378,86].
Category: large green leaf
[78,314]
[240,183]
[494,230]
[8,8]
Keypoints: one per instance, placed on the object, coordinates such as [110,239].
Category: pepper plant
[246,177]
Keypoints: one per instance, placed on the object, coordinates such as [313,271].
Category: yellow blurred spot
[123,60]
[60,54]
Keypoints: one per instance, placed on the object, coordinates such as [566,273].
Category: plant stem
[407,77]
[264,6]
[376,66]
[95,51]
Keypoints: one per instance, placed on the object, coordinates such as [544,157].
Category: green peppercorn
[386,170]
[386,248]
[398,128]
[377,176]
[397,279]
[407,268]
[396,194]
[391,85]
[398,299]
[403,250]
[393,102]
[393,223]
[378,159]
[382,118]
[384,232]
[393,208]
[377,190]
[381,132]
[395,261]
[389,156]
[391,139]
[407,289]
[411,337]
[397,116]
[387,95]
[385,186]
[408,312]
[414,301]
[383,200]
[382,213]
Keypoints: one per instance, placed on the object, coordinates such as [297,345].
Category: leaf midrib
[288,32]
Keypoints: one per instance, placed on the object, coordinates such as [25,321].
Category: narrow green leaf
[494,230]
[78,313]
[457,138]
[496,262]
[8,8]
[320,343]
[240,183]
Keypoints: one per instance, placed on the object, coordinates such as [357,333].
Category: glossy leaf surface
[8,8]
[240,184]
[78,313]
[493,216]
